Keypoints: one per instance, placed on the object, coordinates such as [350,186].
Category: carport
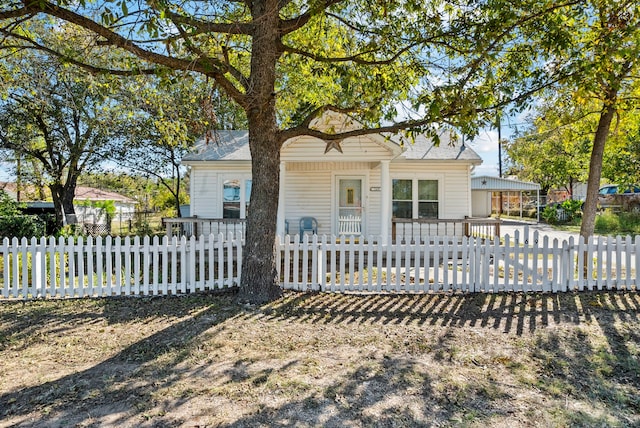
[483,186]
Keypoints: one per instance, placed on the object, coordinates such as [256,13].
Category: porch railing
[403,230]
[196,226]
[413,230]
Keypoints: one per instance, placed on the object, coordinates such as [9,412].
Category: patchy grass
[309,360]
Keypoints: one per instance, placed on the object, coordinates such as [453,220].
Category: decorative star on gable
[333,144]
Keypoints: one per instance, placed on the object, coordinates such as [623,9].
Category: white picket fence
[117,267]
[122,267]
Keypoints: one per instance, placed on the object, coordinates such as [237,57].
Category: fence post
[36,268]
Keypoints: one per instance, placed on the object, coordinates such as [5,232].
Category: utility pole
[499,157]
[499,147]
[18,175]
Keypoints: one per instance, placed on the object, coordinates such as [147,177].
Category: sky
[4,172]
[486,145]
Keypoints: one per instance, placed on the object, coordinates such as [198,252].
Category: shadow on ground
[373,388]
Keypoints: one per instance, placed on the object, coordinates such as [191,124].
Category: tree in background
[60,119]
[621,161]
[169,114]
[285,63]
[599,47]
[145,189]
[553,150]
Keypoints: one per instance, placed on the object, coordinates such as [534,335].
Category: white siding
[204,195]
[310,190]
[373,209]
[206,186]
[353,149]
[308,195]
[481,203]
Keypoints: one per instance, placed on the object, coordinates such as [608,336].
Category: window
[236,194]
[402,205]
[427,199]
[412,198]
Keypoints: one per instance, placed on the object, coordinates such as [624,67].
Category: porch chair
[308,224]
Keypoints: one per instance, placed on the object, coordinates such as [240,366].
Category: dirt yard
[321,360]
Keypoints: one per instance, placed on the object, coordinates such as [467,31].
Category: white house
[87,205]
[358,186]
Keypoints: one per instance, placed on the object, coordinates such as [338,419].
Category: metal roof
[227,145]
[234,146]
[497,184]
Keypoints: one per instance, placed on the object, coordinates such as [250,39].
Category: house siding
[353,149]
[205,187]
[311,189]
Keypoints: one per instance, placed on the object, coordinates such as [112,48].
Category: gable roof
[234,146]
[423,148]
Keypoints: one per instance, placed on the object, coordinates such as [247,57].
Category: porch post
[280,230]
[385,201]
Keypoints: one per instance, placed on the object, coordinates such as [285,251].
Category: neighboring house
[355,187]
[86,203]
[92,213]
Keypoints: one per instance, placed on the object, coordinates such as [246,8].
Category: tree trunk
[177,196]
[595,167]
[56,191]
[260,281]
[63,196]
[67,205]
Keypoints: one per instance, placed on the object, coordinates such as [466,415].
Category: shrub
[609,223]
[15,224]
[572,209]
[550,214]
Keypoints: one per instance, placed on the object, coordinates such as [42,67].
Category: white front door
[350,212]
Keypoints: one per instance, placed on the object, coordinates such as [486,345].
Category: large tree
[286,62]
[58,118]
[600,50]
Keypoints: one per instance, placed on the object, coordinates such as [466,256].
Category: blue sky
[486,145]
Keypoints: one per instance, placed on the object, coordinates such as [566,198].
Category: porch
[402,230]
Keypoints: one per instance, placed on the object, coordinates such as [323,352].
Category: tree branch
[226,65]
[245,28]
[290,25]
[354,58]
[119,41]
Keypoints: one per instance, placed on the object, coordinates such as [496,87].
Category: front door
[350,213]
